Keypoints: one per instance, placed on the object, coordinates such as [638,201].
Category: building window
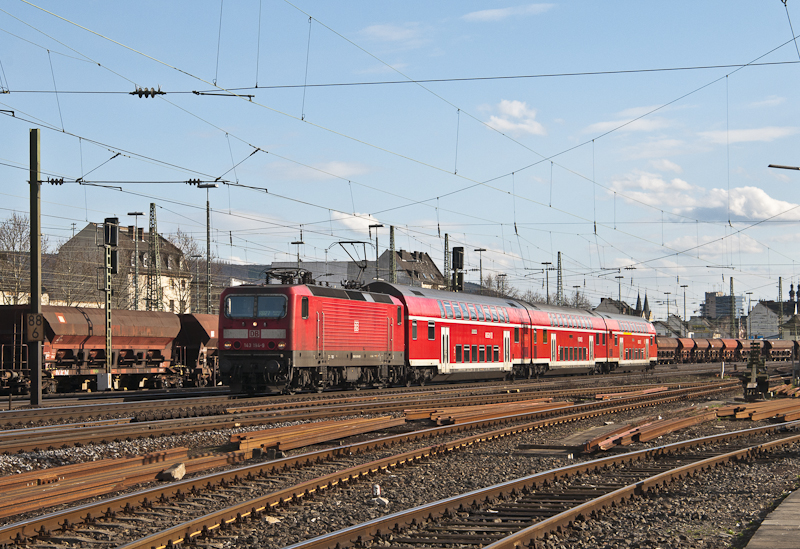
[431,331]
[172,305]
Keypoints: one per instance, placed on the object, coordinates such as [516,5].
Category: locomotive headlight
[227,345]
[282,345]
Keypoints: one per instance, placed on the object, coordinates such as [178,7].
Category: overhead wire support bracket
[247,95]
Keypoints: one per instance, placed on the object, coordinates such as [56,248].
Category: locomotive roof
[313,289]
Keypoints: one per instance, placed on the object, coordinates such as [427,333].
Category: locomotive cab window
[304,307]
[250,306]
[414,329]
[399,315]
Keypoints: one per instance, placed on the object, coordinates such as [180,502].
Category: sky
[632,137]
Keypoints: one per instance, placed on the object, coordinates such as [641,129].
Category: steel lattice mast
[155,301]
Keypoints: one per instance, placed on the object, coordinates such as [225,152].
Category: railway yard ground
[278,472]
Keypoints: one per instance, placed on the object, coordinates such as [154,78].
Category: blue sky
[664,171]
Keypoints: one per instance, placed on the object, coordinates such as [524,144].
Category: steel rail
[255,507]
[56,437]
[395,522]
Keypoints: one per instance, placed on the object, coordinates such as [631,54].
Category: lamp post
[684,286]
[619,289]
[376,227]
[480,264]
[668,294]
[196,281]
[576,294]
[547,278]
[136,260]
[748,314]
[208,186]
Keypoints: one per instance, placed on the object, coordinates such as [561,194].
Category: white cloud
[681,197]
[769,101]
[516,118]
[406,36]
[768,133]
[319,172]
[648,124]
[505,13]
[358,222]
[665,165]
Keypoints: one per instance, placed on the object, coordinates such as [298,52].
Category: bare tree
[15,245]
[188,266]
[74,280]
[578,301]
[498,286]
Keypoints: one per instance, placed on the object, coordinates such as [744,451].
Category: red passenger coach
[458,336]
[287,337]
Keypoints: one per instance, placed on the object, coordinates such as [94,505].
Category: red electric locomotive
[280,337]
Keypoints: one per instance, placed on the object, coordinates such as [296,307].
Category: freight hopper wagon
[277,338]
[75,350]
[196,348]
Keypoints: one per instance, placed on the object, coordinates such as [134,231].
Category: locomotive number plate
[34,327]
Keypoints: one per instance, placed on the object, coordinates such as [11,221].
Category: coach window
[474,353]
[494,314]
[516,335]
[464,311]
[472,314]
[466,353]
[441,309]
[496,353]
[544,336]
[488,314]
[399,315]
[615,340]
[458,353]
[482,351]
[561,353]
[448,311]
[431,330]
[456,311]
[304,307]
[414,330]
[480,312]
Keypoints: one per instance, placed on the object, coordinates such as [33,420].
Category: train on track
[150,349]
[302,336]
[288,337]
[699,350]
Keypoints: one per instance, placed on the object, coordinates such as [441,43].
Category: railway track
[240,492]
[237,415]
[520,512]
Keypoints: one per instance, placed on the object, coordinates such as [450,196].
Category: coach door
[621,349]
[591,348]
[507,350]
[553,348]
[444,366]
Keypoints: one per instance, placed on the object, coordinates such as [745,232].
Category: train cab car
[279,338]
[459,336]
[632,343]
